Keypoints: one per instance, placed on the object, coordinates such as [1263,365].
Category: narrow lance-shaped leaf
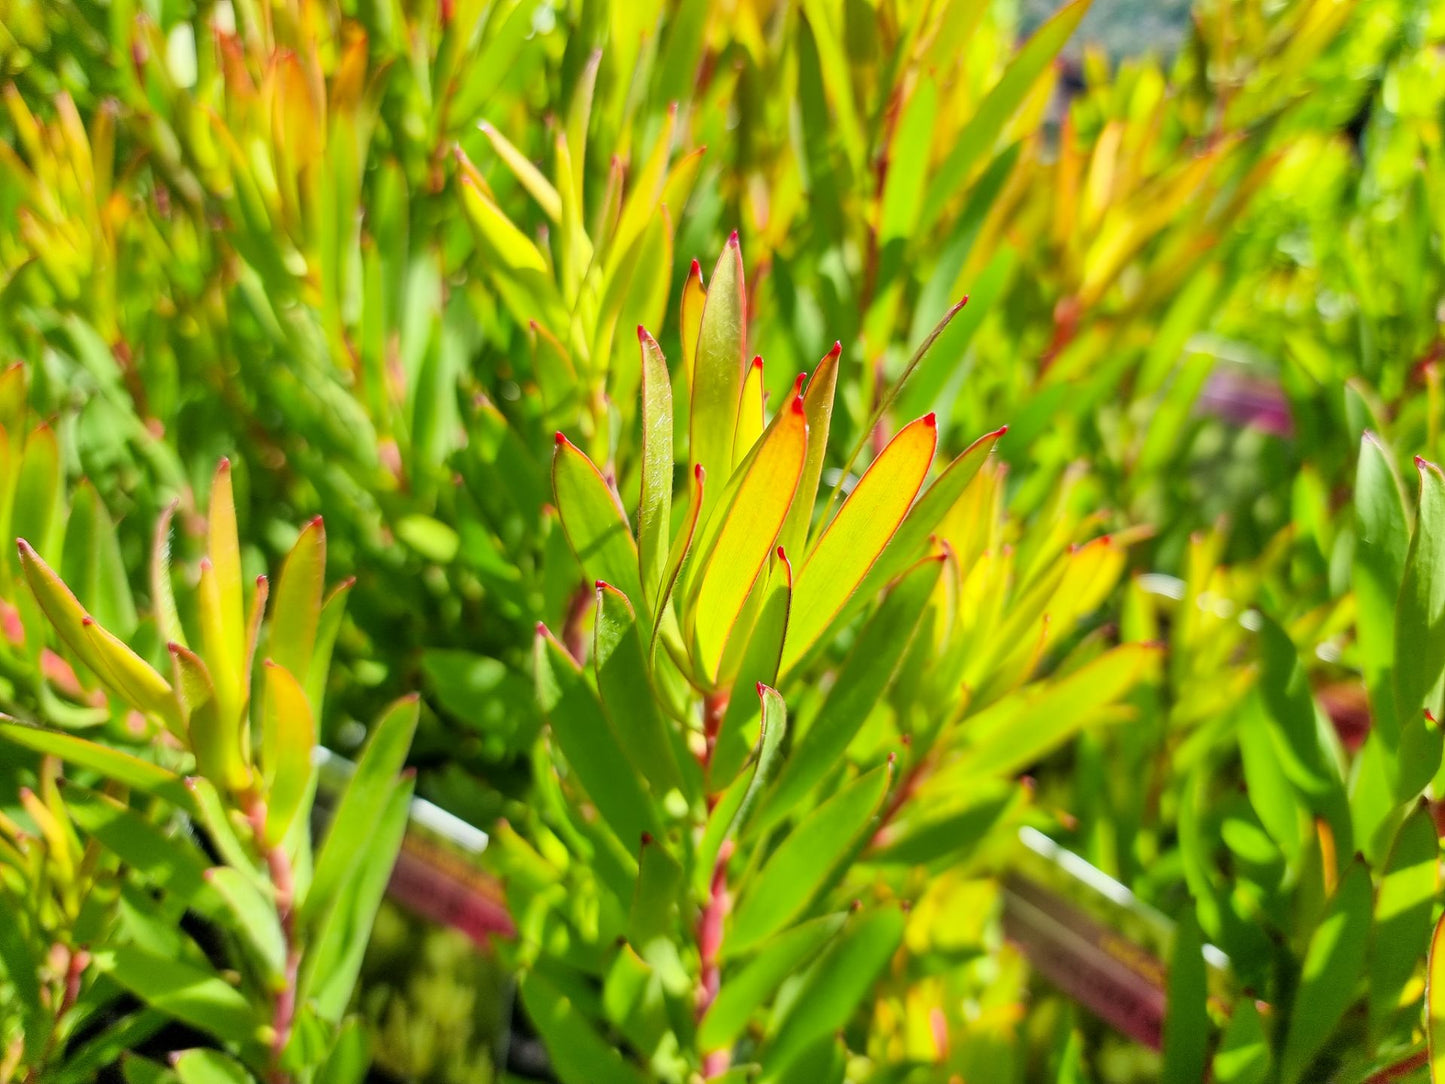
[798,869]
[1420,612]
[746,536]
[838,984]
[862,682]
[59,605]
[627,693]
[224,665]
[1383,531]
[131,771]
[132,678]
[296,611]
[694,298]
[530,177]
[1332,966]
[253,916]
[588,741]
[718,369]
[758,666]
[594,522]
[850,544]
[1186,1023]
[224,549]
[750,412]
[288,735]
[729,815]
[655,511]
[818,406]
[744,992]
[163,598]
[1402,915]
[213,739]
[362,804]
[681,547]
[1435,1003]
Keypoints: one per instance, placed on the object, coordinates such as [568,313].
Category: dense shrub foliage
[770,455]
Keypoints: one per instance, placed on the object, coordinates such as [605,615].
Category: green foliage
[197,804]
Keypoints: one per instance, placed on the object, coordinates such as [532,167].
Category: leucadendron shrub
[775,726]
[163,896]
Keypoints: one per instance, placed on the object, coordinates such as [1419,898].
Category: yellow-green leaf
[594,522]
[746,536]
[224,549]
[296,612]
[718,369]
[864,525]
[288,735]
[1435,1003]
[750,413]
[655,510]
[818,406]
[214,741]
[132,678]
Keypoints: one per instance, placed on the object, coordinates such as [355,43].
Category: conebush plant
[166,888]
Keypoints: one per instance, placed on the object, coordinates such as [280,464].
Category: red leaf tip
[695,270]
[698,473]
[23,546]
[641,334]
[931,420]
[173,647]
[781,555]
[317,521]
[733,239]
[798,383]
[760,687]
[541,628]
[87,621]
[647,839]
[224,464]
[601,585]
[561,437]
[797,404]
[757,361]
[1419,462]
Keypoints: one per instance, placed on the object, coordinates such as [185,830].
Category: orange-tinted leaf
[746,536]
[818,406]
[852,542]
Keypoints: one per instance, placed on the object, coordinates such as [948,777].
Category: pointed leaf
[214,741]
[850,545]
[798,869]
[627,693]
[750,413]
[676,555]
[131,678]
[193,995]
[1383,533]
[362,803]
[758,667]
[252,915]
[587,740]
[296,611]
[746,536]
[1420,612]
[124,768]
[863,681]
[837,985]
[1402,915]
[655,510]
[579,1054]
[718,370]
[1333,964]
[818,407]
[594,522]
[744,992]
[288,736]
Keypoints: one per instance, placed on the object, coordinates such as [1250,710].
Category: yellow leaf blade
[747,535]
[858,534]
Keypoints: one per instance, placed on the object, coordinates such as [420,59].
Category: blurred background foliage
[386,249]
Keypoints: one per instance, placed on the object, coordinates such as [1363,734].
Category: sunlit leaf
[288,735]
[595,524]
[296,608]
[848,547]
[718,368]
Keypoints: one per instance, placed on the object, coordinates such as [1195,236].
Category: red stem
[283,884]
[709,944]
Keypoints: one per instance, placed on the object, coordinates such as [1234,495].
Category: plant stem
[709,943]
[283,884]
